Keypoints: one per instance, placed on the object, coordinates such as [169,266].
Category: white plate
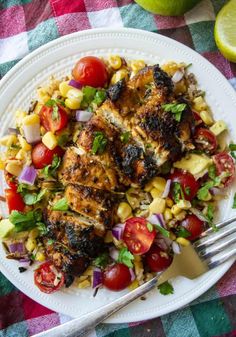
[17,88]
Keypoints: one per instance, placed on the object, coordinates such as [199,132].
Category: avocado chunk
[5,228]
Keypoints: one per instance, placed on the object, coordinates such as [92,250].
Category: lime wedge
[168,7]
[225,30]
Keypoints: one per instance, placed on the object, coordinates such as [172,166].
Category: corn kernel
[40,256]
[183,242]
[43,95]
[124,211]
[206,117]
[84,284]
[157,206]
[159,183]
[38,108]
[31,119]
[2,164]
[137,65]
[115,61]
[199,104]
[34,233]
[30,244]
[169,202]
[180,216]
[23,143]
[133,285]
[14,167]
[148,187]
[49,140]
[8,140]
[19,116]
[184,204]
[155,193]
[72,103]
[88,271]
[109,237]
[64,87]
[167,214]
[175,210]
[218,127]
[119,75]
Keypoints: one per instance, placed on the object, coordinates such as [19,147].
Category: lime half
[167,7]
[225,30]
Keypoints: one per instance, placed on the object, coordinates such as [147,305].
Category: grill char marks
[162,80]
[97,205]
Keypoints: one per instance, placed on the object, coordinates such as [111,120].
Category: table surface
[26,25]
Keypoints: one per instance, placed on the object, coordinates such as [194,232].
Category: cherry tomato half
[45,278]
[194,225]
[137,236]
[117,277]
[225,163]
[157,260]
[14,200]
[42,156]
[188,184]
[90,70]
[53,121]
[197,118]
[10,180]
[205,140]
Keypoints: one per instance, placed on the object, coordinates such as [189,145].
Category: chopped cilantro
[102,260]
[232,147]
[22,188]
[61,205]
[177,192]
[63,139]
[55,114]
[33,198]
[166,288]
[50,242]
[212,171]
[176,109]
[126,257]
[149,227]
[187,190]
[99,143]
[162,230]
[25,221]
[88,96]
[50,170]
[234,202]
[182,232]
[233,154]
[124,137]
[99,97]
[203,192]
[210,212]
[42,228]
[188,65]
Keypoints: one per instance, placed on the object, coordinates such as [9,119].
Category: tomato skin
[194,225]
[186,180]
[42,156]
[117,277]
[137,236]
[44,274]
[46,118]
[10,180]
[197,118]
[205,140]
[90,70]
[225,163]
[156,261]
[14,200]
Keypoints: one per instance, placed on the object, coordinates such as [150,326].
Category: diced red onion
[198,214]
[176,247]
[13,131]
[28,175]
[133,277]
[157,219]
[16,247]
[117,231]
[24,263]
[97,277]
[163,242]
[32,133]
[114,253]
[167,189]
[178,75]
[75,84]
[83,116]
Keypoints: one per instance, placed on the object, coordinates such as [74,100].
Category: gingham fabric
[26,25]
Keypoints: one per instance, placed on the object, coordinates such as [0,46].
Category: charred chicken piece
[94,204]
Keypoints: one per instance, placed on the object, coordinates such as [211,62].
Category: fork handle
[81,326]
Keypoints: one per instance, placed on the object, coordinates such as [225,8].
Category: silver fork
[203,255]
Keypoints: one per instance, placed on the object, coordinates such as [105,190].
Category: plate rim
[223,269]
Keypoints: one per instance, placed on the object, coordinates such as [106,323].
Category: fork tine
[209,240]
[217,248]
[215,262]
[221,224]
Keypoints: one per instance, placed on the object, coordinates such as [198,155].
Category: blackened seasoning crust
[162,79]
[115,90]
